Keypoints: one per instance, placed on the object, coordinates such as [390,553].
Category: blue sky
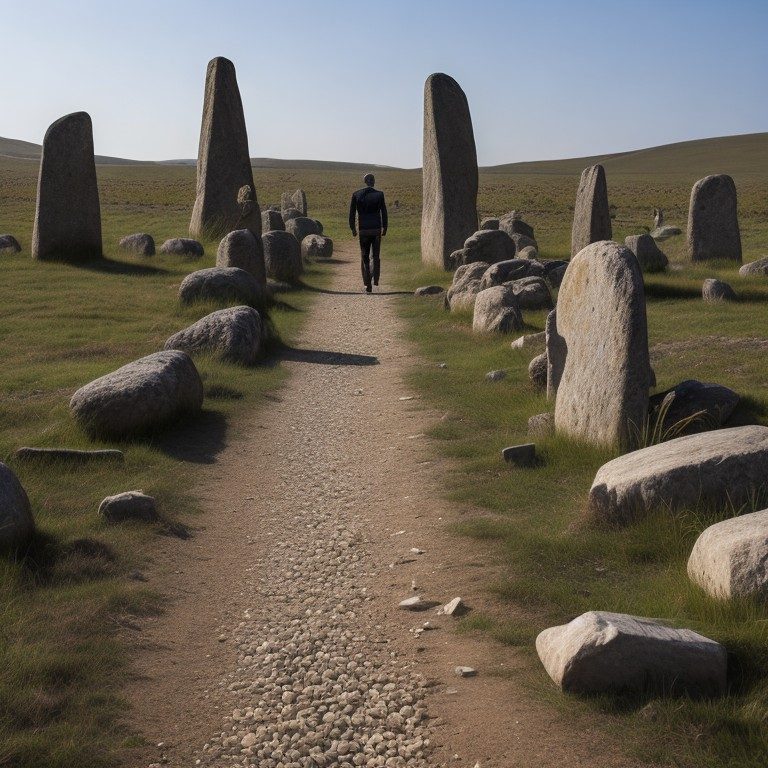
[341,80]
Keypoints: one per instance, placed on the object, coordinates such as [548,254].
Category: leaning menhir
[602,396]
[713,223]
[449,214]
[226,196]
[68,216]
[591,216]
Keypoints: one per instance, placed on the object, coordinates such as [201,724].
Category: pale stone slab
[591,214]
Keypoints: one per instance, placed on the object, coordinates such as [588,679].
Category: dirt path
[284,645]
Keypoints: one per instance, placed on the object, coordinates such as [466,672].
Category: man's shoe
[368,289]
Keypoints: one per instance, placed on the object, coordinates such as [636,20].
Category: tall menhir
[449,212]
[226,196]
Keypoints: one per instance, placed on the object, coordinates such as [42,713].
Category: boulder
[139,397]
[520,455]
[450,177]
[9,244]
[600,652]
[300,227]
[319,226]
[225,195]
[465,286]
[139,243]
[497,310]
[528,341]
[67,215]
[648,254]
[557,351]
[286,203]
[537,370]
[527,252]
[713,223]
[314,247]
[271,220]
[556,275]
[665,232]
[729,558]
[532,293]
[691,397]
[522,242]
[497,375]
[131,505]
[222,284]
[541,424]
[488,245]
[591,214]
[291,213]
[717,290]
[489,223]
[299,200]
[602,397]
[504,271]
[233,334]
[721,469]
[16,522]
[183,246]
[513,224]
[754,268]
[429,290]
[282,255]
[242,249]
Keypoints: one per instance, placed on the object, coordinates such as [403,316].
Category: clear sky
[338,80]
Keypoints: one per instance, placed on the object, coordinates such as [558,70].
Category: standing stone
[226,196]
[68,216]
[648,254]
[713,223]
[243,250]
[16,522]
[556,354]
[591,216]
[299,199]
[450,179]
[272,220]
[602,397]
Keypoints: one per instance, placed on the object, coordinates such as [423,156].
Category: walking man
[368,215]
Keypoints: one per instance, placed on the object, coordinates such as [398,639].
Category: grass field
[61,659]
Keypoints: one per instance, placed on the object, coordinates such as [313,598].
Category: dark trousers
[370,245]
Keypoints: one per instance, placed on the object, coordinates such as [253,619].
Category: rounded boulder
[282,256]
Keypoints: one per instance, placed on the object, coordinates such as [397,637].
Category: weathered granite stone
[591,215]
[222,284]
[299,199]
[527,252]
[602,652]
[183,246]
[139,243]
[721,469]
[648,254]
[282,255]
[131,505]
[713,402]
[233,334]
[286,203]
[541,424]
[465,286]
[556,275]
[557,351]
[429,290]
[68,215]
[497,311]
[528,341]
[537,370]
[713,223]
[504,271]
[729,558]
[272,220]
[16,522]
[532,293]
[522,242]
[717,290]
[241,248]
[450,178]
[314,247]
[9,244]
[488,245]
[520,455]
[513,224]
[754,268]
[226,195]
[290,213]
[140,396]
[602,397]
[300,227]
[489,223]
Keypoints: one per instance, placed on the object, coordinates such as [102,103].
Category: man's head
[368,180]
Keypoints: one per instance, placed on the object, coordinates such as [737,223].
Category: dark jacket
[371,210]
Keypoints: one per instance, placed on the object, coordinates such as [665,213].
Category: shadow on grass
[197,440]
[110,266]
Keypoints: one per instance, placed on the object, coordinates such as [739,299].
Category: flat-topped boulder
[602,397]
[650,257]
[139,397]
[16,522]
[717,290]
[271,220]
[301,226]
[497,310]
[488,245]
[241,248]
[709,405]
[222,284]
[591,214]
[139,243]
[601,652]
[234,334]
[757,268]
[713,222]
[183,246]
[282,256]
[315,247]
[466,284]
[9,244]
[729,558]
[722,469]
[429,290]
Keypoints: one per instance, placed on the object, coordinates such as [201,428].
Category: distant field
[61,326]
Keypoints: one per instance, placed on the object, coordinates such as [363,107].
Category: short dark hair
[369,179]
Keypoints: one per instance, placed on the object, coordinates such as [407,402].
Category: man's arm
[384,221]
[352,212]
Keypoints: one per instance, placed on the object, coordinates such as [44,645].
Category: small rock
[9,244]
[521,455]
[541,424]
[414,603]
[182,246]
[139,243]
[417,551]
[537,370]
[717,290]
[465,671]
[131,505]
[529,340]
[429,290]
[450,608]
[496,375]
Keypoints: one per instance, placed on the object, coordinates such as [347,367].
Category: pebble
[411,603]
[465,671]
[451,608]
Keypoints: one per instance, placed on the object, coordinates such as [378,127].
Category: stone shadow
[112,267]
[198,439]
[324,357]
